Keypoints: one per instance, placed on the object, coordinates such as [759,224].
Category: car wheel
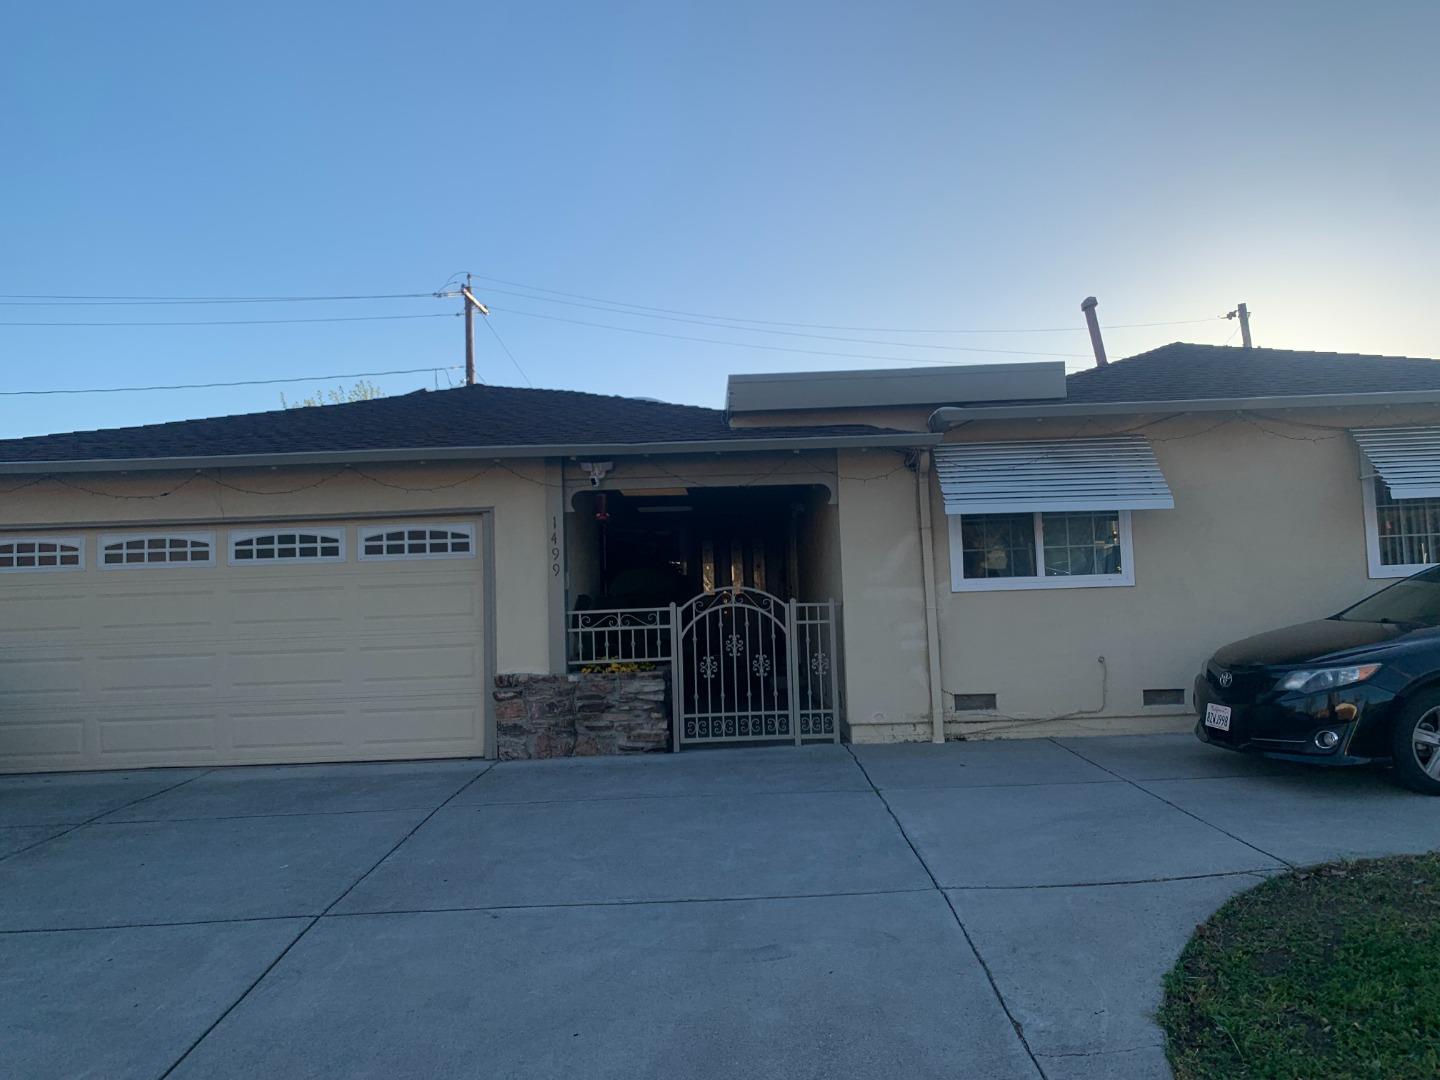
[1416,744]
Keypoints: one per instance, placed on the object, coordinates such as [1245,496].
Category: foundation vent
[974,702]
[1162,697]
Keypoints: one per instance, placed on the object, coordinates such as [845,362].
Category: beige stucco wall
[1268,529]
[883,616]
[514,491]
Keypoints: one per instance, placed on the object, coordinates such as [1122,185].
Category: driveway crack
[1155,795]
[106,813]
[315,919]
[1015,1025]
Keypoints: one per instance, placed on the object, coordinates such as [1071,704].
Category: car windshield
[1415,600]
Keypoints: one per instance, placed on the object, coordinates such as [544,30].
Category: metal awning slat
[1407,459]
[1115,472]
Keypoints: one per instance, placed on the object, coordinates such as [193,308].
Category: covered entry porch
[730,590]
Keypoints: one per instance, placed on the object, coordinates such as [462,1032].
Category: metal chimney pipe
[1088,307]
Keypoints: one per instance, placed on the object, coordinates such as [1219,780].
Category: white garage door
[323,641]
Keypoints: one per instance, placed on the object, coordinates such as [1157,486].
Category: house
[879,555]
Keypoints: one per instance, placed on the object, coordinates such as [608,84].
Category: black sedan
[1360,687]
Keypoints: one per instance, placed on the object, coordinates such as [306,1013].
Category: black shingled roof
[1183,372]
[462,418]
[484,417]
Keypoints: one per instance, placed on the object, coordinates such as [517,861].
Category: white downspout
[932,621]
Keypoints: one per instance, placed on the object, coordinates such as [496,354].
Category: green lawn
[1332,972]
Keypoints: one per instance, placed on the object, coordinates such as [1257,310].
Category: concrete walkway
[994,910]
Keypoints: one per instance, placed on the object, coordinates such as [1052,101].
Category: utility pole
[1242,313]
[467,298]
[469,333]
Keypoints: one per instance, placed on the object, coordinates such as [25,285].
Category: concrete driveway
[1000,909]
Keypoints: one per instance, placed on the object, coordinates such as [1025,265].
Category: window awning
[1407,459]
[1116,472]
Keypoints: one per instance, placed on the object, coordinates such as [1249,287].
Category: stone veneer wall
[579,715]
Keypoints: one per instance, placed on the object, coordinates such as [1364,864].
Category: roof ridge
[1240,350]
[1232,352]
[284,410]
[385,401]
[1318,352]
[588,394]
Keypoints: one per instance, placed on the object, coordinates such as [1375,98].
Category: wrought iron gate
[750,667]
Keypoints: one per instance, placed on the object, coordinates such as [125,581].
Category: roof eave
[472,453]
[951,416]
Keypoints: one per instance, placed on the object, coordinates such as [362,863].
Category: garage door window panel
[417,542]
[40,554]
[136,550]
[286,546]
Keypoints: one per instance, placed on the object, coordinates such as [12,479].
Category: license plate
[1218,717]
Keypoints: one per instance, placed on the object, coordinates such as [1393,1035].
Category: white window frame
[960,583]
[1377,569]
[363,532]
[236,536]
[107,539]
[77,541]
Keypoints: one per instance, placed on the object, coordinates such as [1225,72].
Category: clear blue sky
[893,165]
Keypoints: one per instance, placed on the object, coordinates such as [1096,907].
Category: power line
[768,330]
[782,348]
[575,300]
[814,326]
[213,385]
[733,322]
[54,300]
[508,353]
[245,322]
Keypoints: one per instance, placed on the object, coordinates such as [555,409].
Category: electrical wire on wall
[985,720]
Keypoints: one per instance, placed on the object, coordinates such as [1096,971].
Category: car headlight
[1315,680]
